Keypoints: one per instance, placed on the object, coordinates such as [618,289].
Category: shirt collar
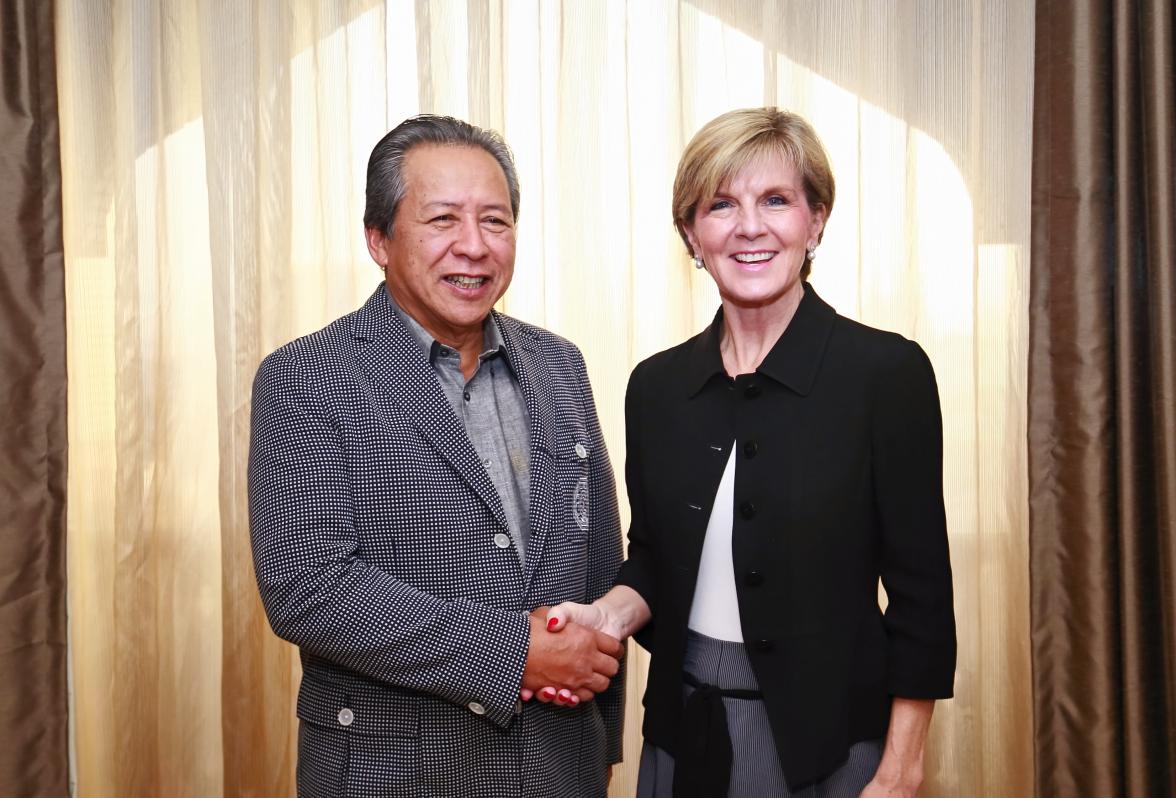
[794,359]
[492,342]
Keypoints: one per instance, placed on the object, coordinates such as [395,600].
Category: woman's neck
[749,333]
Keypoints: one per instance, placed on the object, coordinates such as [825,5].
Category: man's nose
[471,241]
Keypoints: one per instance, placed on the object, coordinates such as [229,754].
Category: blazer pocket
[355,707]
[339,764]
[368,732]
[383,767]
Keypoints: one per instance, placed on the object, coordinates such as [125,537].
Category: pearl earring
[812,252]
[698,264]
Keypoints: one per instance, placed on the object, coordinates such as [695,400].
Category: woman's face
[752,235]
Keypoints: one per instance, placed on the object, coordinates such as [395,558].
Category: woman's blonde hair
[729,142]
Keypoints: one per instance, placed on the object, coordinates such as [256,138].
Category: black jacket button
[747,510]
[753,578]
[752,391]
[749,449]
[764,645]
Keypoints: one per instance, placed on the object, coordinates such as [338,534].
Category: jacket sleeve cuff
[926,671]
[500,640]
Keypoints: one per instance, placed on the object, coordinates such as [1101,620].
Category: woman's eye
[776,199]
[719,205]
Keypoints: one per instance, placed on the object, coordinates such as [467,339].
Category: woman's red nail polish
[551,624]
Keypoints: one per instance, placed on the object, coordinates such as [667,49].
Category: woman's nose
[750,224]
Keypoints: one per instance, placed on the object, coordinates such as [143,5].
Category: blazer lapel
[535,380]
[402,381]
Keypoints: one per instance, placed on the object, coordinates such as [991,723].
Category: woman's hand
[876,789]
[594,616]
[618,613]
[557,619]
[900,773]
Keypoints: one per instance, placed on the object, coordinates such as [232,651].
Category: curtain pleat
[214,159]
[34,758]
[1102,399]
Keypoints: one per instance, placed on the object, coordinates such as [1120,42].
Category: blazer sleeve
[605,552]
[331,603]
[641,566]
[915,569]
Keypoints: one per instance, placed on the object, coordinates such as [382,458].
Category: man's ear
[377,244]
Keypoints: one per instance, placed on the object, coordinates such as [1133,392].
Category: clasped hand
[568,665]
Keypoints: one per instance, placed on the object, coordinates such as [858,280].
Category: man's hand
[618,614]
[580,659]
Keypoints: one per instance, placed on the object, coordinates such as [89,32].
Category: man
[423,474]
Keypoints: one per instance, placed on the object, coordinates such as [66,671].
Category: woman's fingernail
[551,622]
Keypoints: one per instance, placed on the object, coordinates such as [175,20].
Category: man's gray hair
[385,172]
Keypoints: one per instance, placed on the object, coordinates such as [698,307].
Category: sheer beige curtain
[213,160]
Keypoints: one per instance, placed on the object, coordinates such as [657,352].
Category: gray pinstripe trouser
[755,769]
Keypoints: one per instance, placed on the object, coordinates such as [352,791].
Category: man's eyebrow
[493,206]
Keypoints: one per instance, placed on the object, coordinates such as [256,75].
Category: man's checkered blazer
[377,544]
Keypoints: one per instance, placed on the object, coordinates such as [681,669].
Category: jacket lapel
[535,380]
[402,381]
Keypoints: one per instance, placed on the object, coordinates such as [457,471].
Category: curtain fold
[1102,398]
[214,159]
[34,759]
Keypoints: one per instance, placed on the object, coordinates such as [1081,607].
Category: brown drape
[1102,399]
[34,754]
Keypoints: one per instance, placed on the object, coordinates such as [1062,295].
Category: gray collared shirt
[491,406]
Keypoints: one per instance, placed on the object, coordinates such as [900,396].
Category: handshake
[573,654]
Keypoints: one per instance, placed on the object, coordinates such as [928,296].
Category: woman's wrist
[624,611]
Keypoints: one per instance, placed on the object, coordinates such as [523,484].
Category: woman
[779,464]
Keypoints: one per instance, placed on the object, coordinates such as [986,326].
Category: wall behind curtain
[214,156]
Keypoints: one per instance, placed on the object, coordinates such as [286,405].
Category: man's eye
[445,217]
[494,221]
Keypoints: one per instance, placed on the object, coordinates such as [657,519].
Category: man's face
[451,255]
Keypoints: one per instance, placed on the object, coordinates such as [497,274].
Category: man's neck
[467,342]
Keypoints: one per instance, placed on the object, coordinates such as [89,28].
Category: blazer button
[346,717]
[502,540]
[747,510]
[750,449]
[476,708]
[581,452]
[753,578]
[764,645]
[752,391]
